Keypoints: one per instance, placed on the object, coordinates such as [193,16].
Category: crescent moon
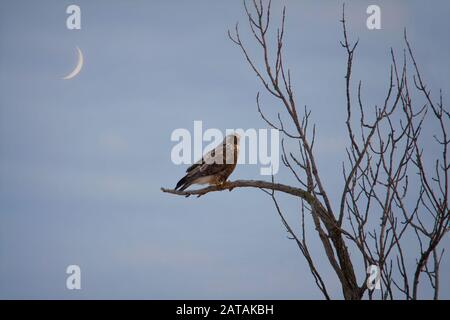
[78,66]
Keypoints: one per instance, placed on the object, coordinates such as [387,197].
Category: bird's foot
[221,184]
[229,189]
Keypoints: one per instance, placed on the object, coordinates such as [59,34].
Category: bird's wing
[215,156]
[213,162]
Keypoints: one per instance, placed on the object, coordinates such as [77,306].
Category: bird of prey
[214,167]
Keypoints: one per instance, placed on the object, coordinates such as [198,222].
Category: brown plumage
[215,167]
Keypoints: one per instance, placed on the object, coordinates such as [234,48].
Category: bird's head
[233,138]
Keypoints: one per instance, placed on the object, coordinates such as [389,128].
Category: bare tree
[391,194]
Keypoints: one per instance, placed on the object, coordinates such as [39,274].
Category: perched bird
[215,167]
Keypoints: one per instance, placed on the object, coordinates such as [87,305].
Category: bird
[214,167]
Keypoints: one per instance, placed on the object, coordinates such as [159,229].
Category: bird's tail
[182,184]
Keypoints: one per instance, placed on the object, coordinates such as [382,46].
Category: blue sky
[82,161]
